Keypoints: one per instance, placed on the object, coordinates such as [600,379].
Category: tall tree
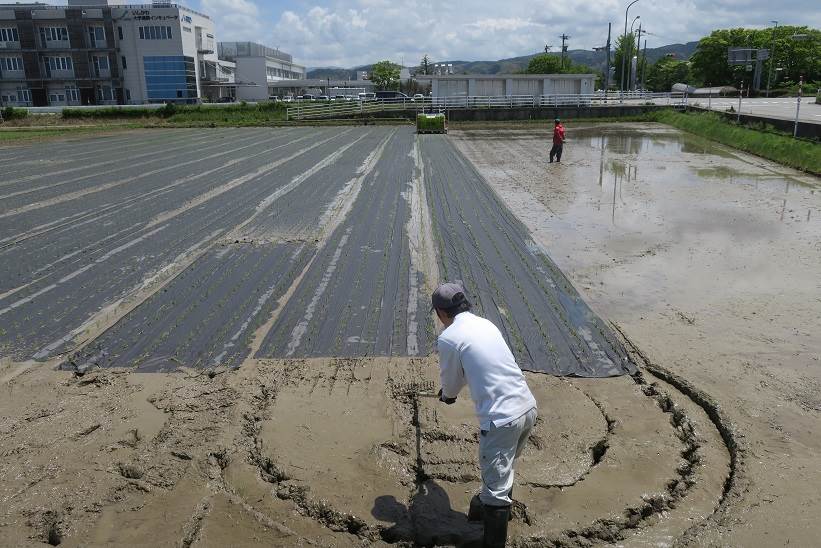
[545,64]
[667,71]
[625,49]
[797,52]
[424,66]
[385,75]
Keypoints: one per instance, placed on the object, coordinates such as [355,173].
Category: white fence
[303,110]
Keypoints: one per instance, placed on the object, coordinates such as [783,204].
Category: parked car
[274,99]
[288,99]
[338,98]
[418,97]
[308,97]
[323,98]
[391,96]
[367,96]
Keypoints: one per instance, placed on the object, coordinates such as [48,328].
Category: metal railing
[303,110]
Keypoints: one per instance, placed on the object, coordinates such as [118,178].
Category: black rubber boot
[496,518]
[476,511]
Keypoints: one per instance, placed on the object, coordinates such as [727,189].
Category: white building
[97,52]
[494,85]
[259,69]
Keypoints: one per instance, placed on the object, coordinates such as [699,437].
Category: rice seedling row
[515,285]
[76,290]
[353,299]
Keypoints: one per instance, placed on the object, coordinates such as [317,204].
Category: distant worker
[558,141]
[473,352]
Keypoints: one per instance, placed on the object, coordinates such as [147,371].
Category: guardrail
[303,110]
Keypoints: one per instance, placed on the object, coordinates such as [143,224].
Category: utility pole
[644,64]
[635,77]
[772,58]
[564,38]
[607,68]
[606,82]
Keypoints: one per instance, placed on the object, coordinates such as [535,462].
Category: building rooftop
[73,4]
[231,50]
[502,76]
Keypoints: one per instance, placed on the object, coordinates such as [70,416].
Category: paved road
[783,107]
[165,248]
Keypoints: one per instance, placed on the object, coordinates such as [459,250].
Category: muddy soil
[707,260]
[337,452]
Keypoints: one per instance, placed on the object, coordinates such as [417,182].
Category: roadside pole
[740,94]
[709,97]
[798,106]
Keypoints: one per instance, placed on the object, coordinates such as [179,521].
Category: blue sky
[355,32]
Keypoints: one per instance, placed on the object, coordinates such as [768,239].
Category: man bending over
[473,352]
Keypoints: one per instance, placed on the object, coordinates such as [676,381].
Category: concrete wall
[477,85]
[251,69]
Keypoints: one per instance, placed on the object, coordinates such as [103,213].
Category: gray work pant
[499,448]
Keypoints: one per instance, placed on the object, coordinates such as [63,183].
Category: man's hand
[443,399]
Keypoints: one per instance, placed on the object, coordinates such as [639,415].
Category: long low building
[318,86]
[496,85]
[258,69]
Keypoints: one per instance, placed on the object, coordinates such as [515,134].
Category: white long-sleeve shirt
[472,351]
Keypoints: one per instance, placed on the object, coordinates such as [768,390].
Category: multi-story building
[258,68]
[90,52]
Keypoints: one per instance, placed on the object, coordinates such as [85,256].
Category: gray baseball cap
[448,295]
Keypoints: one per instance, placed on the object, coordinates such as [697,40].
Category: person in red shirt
[558,141]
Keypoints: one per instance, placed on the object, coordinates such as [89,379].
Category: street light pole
[623,43]
[772,58]
[630,65]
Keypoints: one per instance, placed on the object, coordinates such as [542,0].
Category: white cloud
[355,32]
[235,19]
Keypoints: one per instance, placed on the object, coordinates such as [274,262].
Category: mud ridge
[736,484]
[644,515]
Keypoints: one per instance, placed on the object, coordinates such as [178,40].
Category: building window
[105,93]
[155,33]
[95,35]
[11,63]
[23,95]
[187,29]
[128,95]
[9,34]
[100,63]
[56,97]
[170,78]
[120,32]
[72,94]
[54,34]
[59,63]
[125,63]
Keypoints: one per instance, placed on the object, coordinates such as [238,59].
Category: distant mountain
[517,64]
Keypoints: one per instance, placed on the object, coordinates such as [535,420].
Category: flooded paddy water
[707,260]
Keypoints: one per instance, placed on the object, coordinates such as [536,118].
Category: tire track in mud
[514,284]
[361,276]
